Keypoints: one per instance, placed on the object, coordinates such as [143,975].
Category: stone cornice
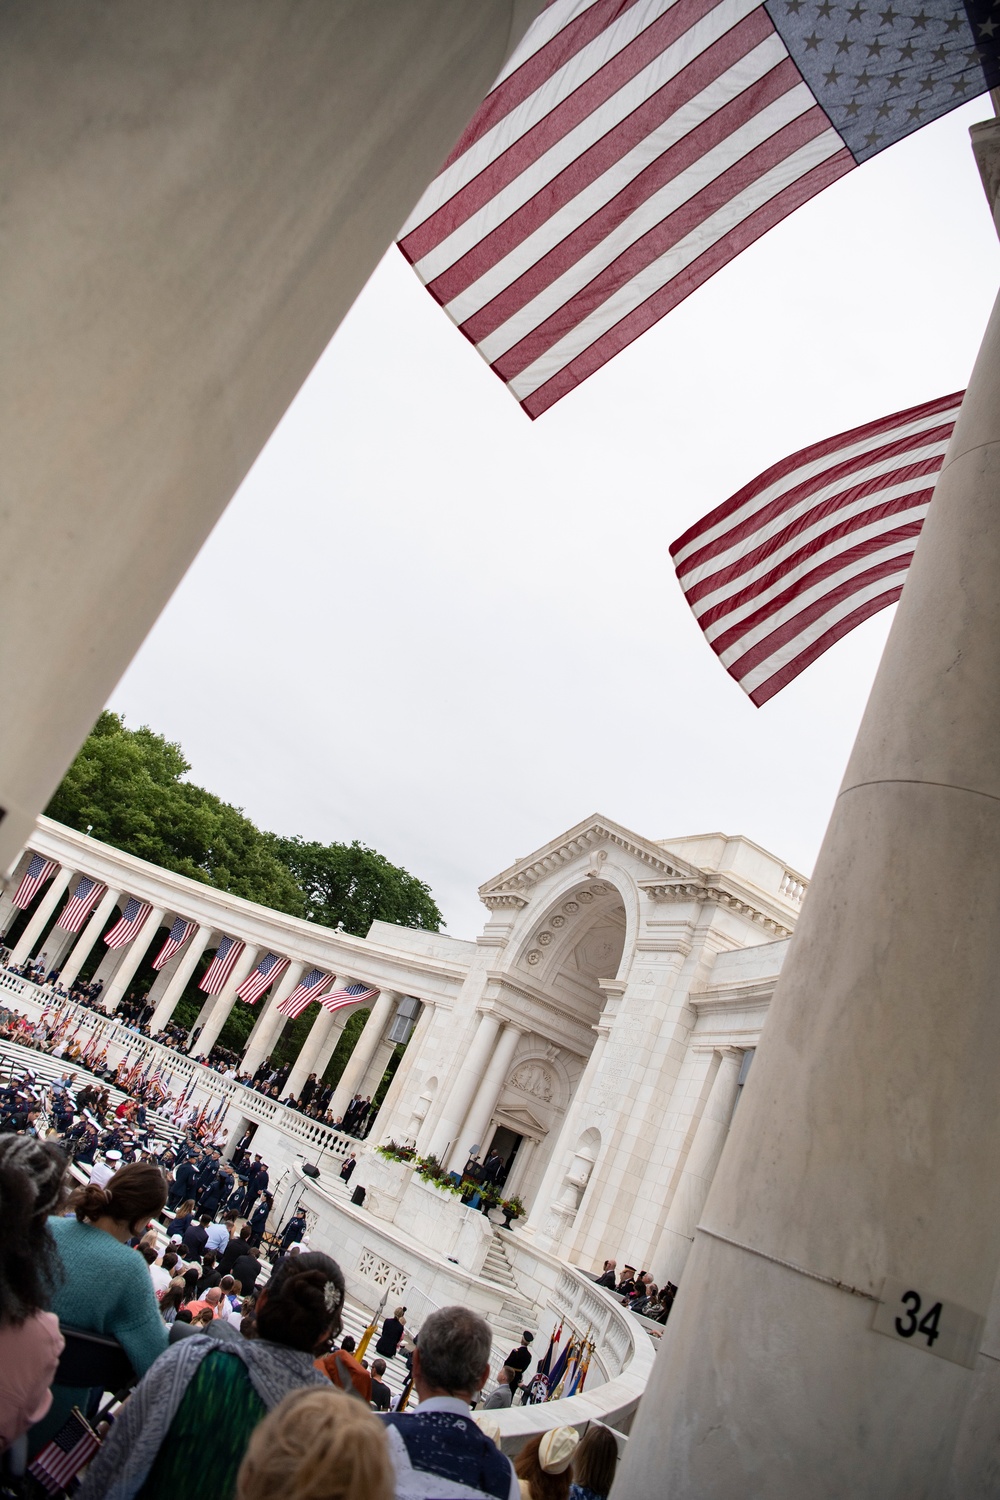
[722,891]
[509,886]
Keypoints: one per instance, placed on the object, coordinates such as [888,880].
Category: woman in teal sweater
[103,1286]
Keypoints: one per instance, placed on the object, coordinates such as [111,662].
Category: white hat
[112,1156]
[555,1452]
[488,1425]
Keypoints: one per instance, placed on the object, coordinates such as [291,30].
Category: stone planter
[496,1215]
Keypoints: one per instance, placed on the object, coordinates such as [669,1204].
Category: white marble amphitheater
[600,1028]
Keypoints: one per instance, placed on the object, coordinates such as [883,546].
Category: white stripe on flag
[779,572]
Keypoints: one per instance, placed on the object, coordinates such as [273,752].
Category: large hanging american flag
[813,546]
[259,981]
[177,937]
[82,902]
[129,924]
[38,872]
[631,148]
[213,981]
[352,994]
[309,988]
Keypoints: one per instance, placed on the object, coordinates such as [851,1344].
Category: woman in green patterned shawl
[186,1427]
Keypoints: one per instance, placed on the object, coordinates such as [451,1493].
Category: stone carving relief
[534,956]
[531,1078]
[544,939]
[373,1268]
[558,920]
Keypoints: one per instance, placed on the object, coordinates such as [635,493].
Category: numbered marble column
[864,1152]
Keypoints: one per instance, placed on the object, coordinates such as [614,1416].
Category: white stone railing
[623,1353]
[793,887]
[180,1070]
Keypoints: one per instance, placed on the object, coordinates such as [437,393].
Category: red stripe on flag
[687,281]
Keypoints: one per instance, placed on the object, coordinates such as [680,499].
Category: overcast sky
[430,624]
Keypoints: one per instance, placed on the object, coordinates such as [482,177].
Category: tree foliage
[127,787]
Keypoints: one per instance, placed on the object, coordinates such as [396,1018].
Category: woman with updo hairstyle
[186,1427]
[103,1284]
[32,1173]
[318,1445]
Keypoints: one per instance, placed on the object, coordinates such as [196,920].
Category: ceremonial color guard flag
[260,979]
[352,995]
[82,902]
[309,988]
[213,981]
[129,924]
[630,148]
[813,546]
[38,872]
[179,934]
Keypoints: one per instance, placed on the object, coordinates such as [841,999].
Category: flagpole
[826,1336]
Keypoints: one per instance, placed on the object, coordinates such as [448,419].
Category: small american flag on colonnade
[813,546]
[82,902]
[213,981]
[38,872]
[353,994]
[305,992]
[177,937]
[631,148]
[267,972]
[130,923]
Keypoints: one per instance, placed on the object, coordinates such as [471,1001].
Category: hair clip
[331,1296]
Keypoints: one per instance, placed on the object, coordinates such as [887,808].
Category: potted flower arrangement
[394,1152]
[513,1210]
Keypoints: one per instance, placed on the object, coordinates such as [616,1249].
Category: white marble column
[8,911]
[319,1032]
[696,1176]
[268,1029]
[364,1050]
[865,1147]
[464,1086]
[399,1084]
[330,1045]
[88,937]
[190,954]
[131,959]
[236,172]
[29,937]
[578,1118]
[217,1017]
[484,1102]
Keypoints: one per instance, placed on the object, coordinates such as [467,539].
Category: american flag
[353,994]
[267,972]
[129,924]
[38,872]
[213,981]
[813,546]
[305,992]
[631,148]
[62,1458]
[82,902]
[179,934]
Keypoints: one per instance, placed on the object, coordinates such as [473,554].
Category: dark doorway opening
[507,1143]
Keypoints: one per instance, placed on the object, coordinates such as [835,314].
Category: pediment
[522,1120]
[510,887]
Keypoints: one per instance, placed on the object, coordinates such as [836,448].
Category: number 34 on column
[913,1315]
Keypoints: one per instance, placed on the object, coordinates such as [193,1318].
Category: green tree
[357,886]
[128,788]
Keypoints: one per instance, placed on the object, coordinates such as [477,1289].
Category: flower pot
[496,1216]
